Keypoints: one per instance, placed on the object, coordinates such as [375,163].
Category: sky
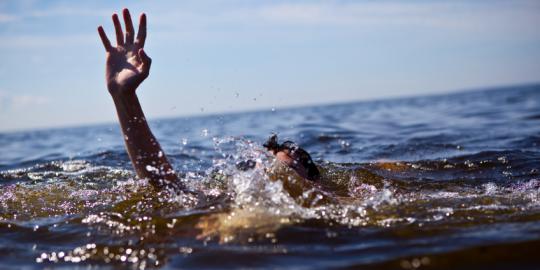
[224,56]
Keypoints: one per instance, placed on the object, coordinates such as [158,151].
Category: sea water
[448,182]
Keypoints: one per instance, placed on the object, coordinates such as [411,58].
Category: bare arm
[127,66]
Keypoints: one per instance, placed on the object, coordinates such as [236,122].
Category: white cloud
[40,41]
[18,102]
[68,11]
[21,101]
[455,15]
[4,18]
[56,11]
[181,20]
[3,100]
[458,20]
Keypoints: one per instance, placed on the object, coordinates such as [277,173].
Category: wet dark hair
[302,157]
[272,144]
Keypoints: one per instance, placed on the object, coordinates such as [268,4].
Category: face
[284,157]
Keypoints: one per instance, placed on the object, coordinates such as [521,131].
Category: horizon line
[287,107]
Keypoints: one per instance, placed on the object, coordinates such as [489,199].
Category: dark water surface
[446,182]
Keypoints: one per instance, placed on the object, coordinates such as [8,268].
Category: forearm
[143,149]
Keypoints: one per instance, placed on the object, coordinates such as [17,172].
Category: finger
[118,28]
[130,32]
[141,35]
[104,38]
[146,61]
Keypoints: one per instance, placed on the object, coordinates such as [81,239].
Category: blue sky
[219,56]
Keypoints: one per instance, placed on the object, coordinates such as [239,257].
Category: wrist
[128,108]
[118,92]
[123,99]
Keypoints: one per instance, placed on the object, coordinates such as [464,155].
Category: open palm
[127,64]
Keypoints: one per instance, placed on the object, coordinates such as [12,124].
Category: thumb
[146,61]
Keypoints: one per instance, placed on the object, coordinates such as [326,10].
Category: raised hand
[127,64]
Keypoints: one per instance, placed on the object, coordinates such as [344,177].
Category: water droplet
[344,144]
